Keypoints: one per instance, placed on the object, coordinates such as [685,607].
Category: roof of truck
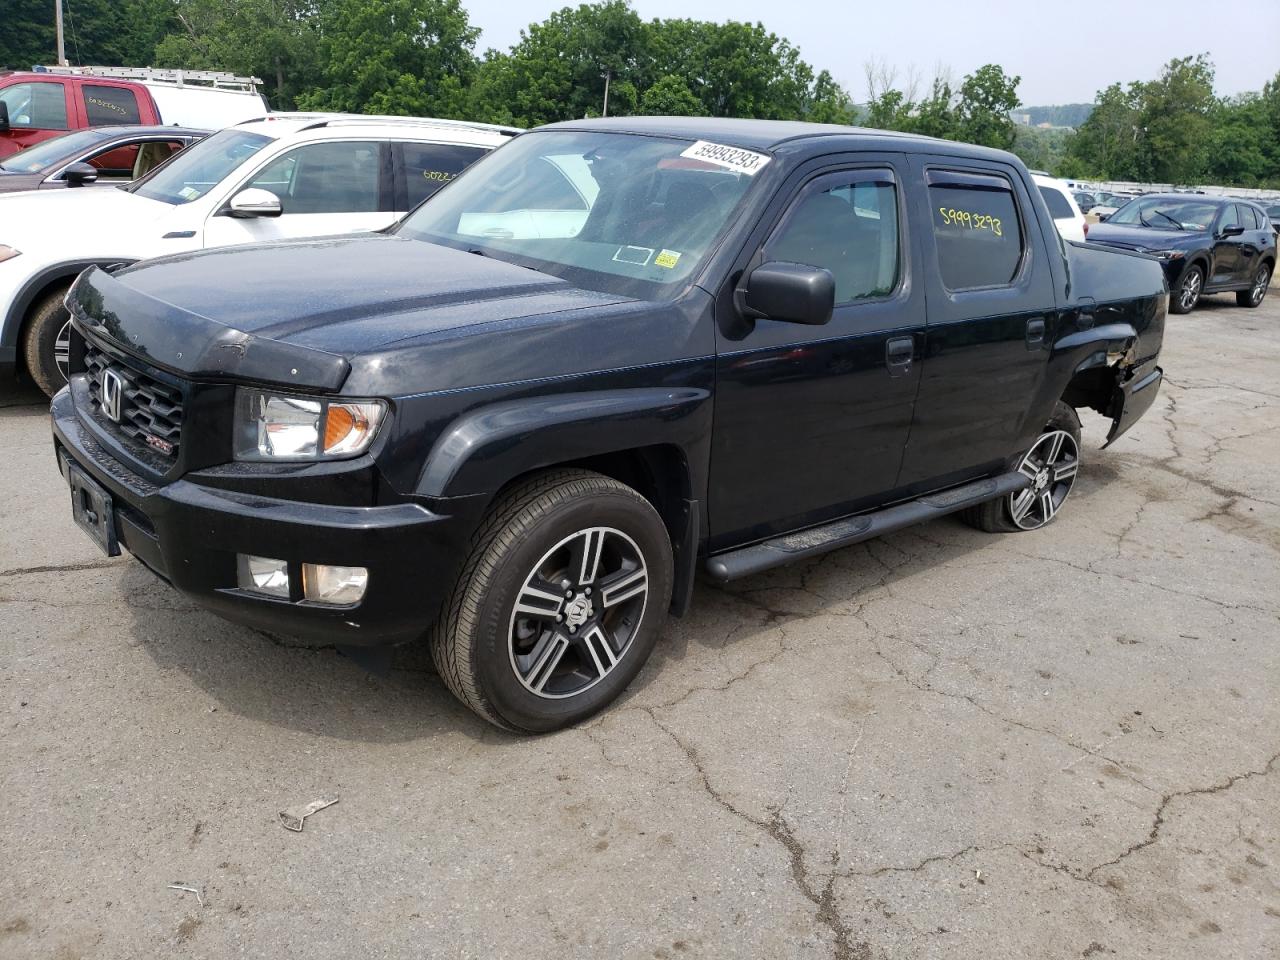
[770,134]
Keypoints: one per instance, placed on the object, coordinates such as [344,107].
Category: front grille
[150,410]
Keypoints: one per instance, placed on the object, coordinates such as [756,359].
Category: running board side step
[736,564]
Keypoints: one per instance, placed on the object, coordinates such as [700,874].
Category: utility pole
[606,74]
[62,52]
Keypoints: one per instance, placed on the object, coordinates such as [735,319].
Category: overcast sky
[1064,52]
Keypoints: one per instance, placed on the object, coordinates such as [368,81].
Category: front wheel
[559,603]
[1253,296]
[1190,287]
[1051,466]
[47,343]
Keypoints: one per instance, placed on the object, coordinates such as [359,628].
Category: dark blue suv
[1206,244]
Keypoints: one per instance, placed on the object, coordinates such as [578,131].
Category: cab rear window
[975,228]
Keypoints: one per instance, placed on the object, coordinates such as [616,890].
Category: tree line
[419,57]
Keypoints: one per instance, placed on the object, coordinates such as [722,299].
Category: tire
[1061,439]
[1189,290]
[519,639]
[1254,295]
[44,342]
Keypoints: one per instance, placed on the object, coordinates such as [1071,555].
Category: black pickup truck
[611,355]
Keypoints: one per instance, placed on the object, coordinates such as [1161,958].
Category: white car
[1062,207]
[281,177]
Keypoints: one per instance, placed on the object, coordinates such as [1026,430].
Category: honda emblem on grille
[112,393]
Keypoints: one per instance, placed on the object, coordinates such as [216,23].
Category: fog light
[263,575]
[339,586]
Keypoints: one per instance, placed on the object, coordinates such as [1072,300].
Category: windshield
[619,213]
[1166,213]
[46,154]
[196,170]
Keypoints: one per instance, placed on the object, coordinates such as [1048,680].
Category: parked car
[1062,207]
[100,155]
[1085,201]
[523,448]
[1273,214]
[1107,207]
[271,179]
[41,104]
[1205,244]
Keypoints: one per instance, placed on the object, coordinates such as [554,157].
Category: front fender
[31,289]
[486,447]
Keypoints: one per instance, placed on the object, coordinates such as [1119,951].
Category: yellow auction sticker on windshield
[667,258]
[731,158]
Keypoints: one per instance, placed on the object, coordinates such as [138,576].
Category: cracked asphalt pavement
[941,743]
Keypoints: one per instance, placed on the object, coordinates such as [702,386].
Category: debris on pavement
[292,818]
[188,888]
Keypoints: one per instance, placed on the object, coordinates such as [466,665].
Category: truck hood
[297,312]
[47,217]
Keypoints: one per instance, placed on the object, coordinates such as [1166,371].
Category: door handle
[1035,333]
[898,354]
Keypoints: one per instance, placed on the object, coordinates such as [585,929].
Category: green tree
[987,97]
[97,32]
[670,97]
[1175,121]
[407,57]
[277,40]
[829,102]
[1106,144]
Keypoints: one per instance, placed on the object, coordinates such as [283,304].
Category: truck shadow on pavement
[320,691]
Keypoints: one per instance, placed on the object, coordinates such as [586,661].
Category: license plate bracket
[92,509]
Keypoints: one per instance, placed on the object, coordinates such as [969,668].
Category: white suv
[1062,207]
[281,177]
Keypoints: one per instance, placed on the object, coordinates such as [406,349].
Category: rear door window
[1059,209]
[105,106]
[429,166]
[40,105]
[976,229]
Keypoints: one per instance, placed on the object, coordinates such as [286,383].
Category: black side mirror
[4,117]
[1231,231]
[80,174]
[793,292]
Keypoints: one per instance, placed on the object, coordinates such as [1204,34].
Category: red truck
[47,101]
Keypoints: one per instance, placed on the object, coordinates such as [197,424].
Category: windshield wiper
[1161,213]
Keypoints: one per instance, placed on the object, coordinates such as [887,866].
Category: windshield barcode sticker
[731,158]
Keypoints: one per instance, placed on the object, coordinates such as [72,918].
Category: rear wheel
[1190,287]
[559,603]
[1253,296]
[1051,465]
[47,342]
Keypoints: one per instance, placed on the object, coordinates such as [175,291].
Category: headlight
[8,253]
[1167,254]
[275,426]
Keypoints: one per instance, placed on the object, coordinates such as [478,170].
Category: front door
[992,316]
[810,421]
[1227,261]
[336,186]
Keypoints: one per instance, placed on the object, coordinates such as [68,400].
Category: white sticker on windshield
[188,193]
[731,158]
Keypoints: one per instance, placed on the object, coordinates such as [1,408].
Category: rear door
[990,290]
[810,421]
[324,188]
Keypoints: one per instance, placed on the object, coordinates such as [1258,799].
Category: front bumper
[189,534]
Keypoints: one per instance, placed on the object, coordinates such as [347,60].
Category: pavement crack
[58,568]
[776,828]
[915,867]
[1158,822]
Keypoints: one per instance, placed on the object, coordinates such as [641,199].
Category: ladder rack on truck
[197,78]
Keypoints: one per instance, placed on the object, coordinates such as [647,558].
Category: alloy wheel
[577,612]
[1051,465]
[62,351]
[1260,284]
[1189,293]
